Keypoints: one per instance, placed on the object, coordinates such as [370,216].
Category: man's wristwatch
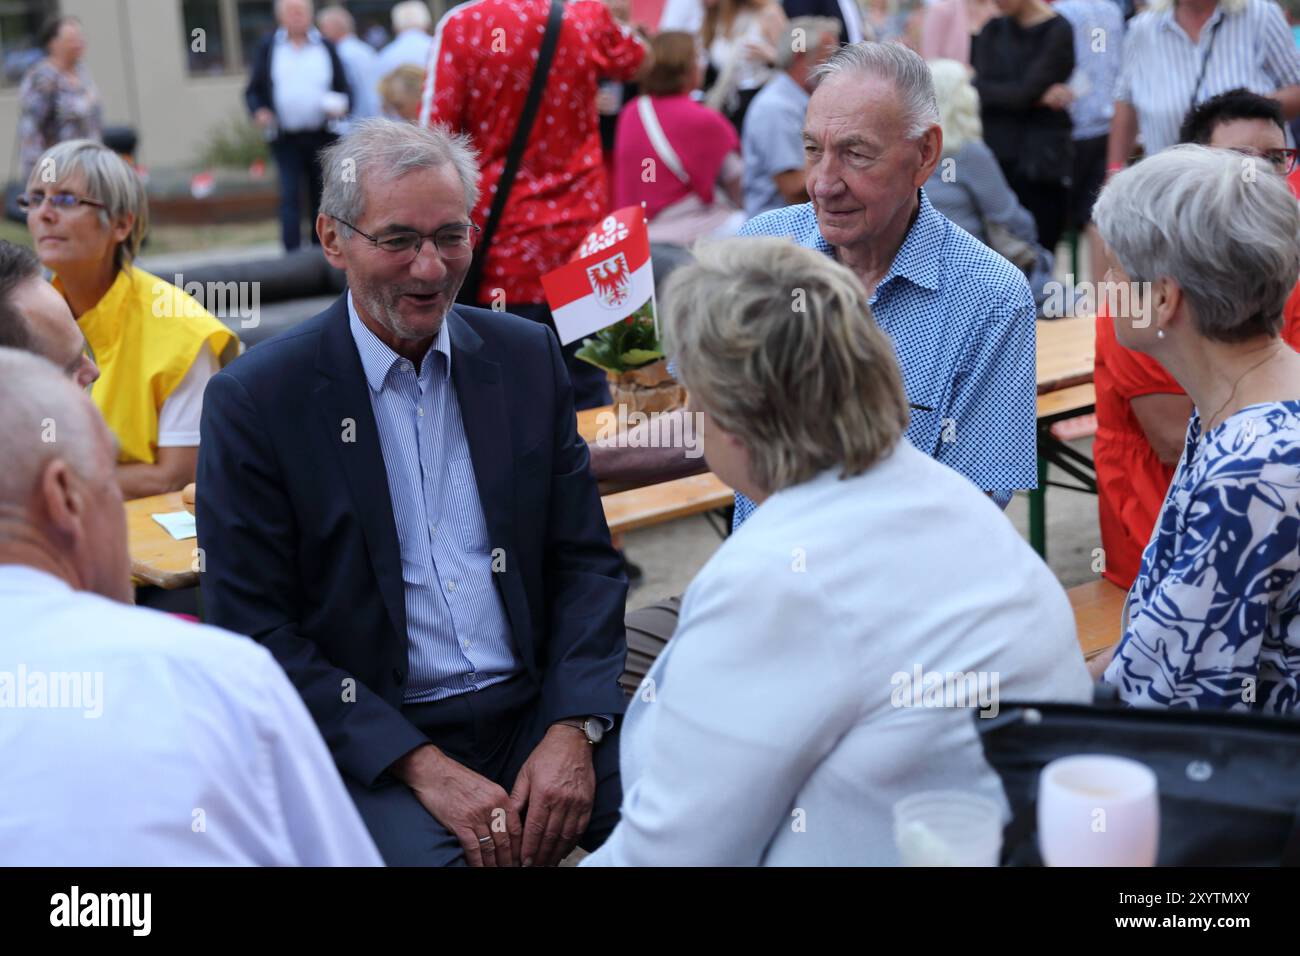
[593,727]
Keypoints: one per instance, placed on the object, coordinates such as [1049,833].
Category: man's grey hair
[279,6]
[339,13]
[43,416]
[777,343]
[804,35]
[1224,226]
[380,150]
[901,67]
[109,179]
[411,15]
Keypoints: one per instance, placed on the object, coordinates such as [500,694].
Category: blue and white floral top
[1214,615]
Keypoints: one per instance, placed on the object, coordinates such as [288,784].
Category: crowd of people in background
[911,170]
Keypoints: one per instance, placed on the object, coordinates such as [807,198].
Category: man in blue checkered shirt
[961,317]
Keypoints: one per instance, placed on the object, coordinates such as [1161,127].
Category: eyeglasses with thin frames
[63,201]
[454,241]
[1282,159]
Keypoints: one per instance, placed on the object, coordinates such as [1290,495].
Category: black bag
[1229,783]
[469,289]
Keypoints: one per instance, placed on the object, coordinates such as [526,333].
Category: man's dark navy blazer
[300,544]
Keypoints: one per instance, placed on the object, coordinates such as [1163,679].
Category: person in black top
[1022,62]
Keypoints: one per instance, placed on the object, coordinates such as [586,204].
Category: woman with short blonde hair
[156,346]
[400,92]
[787,367]
[791,683]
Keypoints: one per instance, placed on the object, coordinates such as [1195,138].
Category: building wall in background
[137,53]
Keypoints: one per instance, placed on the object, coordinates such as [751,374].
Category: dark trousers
[1047,202]
[590,384]
[491,732]
[297,159]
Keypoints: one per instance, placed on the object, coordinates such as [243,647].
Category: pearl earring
[1160,333]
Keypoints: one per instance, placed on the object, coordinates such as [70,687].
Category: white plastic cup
[948,828]
[1098,810]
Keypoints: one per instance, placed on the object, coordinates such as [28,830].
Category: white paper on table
[179,524]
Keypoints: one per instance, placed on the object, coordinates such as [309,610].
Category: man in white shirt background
[359,60]
[412,24]
[297,92]
[130,737]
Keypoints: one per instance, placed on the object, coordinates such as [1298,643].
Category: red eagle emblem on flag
[611,280]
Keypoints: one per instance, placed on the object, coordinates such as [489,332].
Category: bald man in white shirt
[129,737]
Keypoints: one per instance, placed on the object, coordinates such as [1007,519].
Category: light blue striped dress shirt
[1254,49]
[458,638]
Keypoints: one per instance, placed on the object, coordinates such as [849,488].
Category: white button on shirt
[131,738]
[449,585]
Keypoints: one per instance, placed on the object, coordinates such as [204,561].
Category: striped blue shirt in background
[458,638]
[1098,52]
[1254,50]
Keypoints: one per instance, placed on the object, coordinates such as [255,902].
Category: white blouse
[779,726]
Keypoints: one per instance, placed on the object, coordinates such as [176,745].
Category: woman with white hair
[155,345]
[788,713]
[968,185]
[1179,53]
[1208,246]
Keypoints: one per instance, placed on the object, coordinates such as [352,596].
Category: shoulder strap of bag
[659,140]
[550,40]
[1205,63]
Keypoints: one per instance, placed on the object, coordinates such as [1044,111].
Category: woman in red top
[695,189]
[1141,424]
[1142,412]
[480,68]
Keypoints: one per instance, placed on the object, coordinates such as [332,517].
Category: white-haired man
[772,140]
[960,316]
[359,59]
[131,738]
[412,24]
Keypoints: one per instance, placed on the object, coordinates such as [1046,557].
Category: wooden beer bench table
[1065,359]
[630,508]
[159,560]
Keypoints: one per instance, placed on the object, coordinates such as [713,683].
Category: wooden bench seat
[667,501]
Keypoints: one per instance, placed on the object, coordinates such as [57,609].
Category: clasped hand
[537,824]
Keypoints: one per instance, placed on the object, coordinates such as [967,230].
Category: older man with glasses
[394,499]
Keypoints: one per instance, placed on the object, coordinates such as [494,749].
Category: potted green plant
[631,355]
